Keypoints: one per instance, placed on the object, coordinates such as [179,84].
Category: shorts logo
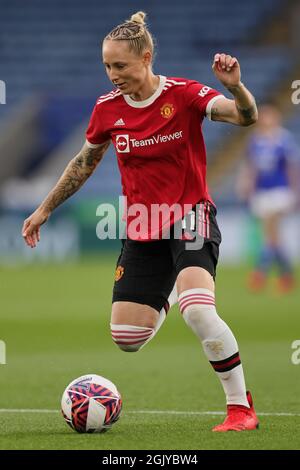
[122,143]
[119,273]
[167,110]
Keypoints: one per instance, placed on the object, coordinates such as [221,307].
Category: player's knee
[198,308]
[130,338]
[195,303]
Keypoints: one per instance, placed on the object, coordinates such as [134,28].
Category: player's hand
[227,69]
[31,227]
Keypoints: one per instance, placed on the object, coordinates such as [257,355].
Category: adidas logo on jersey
[119,122]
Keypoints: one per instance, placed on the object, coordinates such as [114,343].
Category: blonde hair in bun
[134,31]
[138,17]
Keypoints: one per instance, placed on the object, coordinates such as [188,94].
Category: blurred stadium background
[50,62]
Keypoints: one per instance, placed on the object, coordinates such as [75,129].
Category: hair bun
[138,17]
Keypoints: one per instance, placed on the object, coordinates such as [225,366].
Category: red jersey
[159,144]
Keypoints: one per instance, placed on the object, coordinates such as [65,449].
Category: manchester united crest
[119,273]
[167,110]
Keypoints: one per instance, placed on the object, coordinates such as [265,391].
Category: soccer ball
[91,403]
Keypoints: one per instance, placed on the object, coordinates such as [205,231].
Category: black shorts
[146,271]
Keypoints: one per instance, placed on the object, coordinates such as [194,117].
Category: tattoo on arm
[247,113]
[214,113]
[243,116]
[76,173]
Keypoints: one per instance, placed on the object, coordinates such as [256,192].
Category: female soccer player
[154,123]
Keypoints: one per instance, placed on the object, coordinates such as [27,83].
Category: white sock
[219,344]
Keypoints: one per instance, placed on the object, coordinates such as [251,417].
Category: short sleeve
[96,134]
[201,98]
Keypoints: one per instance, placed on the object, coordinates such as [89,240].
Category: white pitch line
[152,412]
[202,413]
[27,410]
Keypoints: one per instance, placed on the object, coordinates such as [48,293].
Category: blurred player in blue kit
[270,183]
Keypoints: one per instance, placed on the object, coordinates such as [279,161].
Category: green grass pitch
[55,323]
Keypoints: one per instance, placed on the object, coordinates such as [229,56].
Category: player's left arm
[241,110]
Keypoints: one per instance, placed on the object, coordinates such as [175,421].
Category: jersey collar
[151,99]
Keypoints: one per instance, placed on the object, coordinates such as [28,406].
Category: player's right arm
[76,173]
